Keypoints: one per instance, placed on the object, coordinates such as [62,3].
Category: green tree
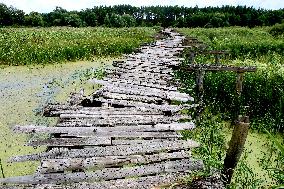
[5,16]
[128,20]
[73,19]
[89,17]
[34,19]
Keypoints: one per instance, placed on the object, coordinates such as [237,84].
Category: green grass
[23,46]
[241,41]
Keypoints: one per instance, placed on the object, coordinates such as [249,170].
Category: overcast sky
[49,5]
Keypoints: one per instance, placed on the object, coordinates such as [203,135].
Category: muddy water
[24,90]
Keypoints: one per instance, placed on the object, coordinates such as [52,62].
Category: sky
[44,6]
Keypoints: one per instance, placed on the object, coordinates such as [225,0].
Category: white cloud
[49,5]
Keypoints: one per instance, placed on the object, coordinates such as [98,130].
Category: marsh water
[24,90]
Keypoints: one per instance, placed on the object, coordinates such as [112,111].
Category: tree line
[128,16]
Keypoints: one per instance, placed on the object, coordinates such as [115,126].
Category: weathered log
[142,80]
[100,130]
[118,96]
[129,183]
[68,164]
[120,150]
[142,106]
[170,95]
[108,173]
[140,83]
[159,70]
[127,134]
[127,84]
[85,141]
[109,121]
[56,110]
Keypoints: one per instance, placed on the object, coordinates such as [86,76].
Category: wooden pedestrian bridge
[126,135]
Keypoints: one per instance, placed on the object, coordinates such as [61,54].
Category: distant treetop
[128,16]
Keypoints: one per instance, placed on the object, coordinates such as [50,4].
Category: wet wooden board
[100,130]
[84,141]
[170,95]
[128,84]
[56,110]
[141,83]
[68,164]
[120,150]
[135,120]
[146,106]
[130,183]
[119,96]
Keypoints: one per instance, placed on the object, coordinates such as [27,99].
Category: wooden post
[191,57]
[217,58]
[1,168]
[239,83]
[236,147]
[200,90]
[239,89]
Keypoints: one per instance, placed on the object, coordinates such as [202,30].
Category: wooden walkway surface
[126,135]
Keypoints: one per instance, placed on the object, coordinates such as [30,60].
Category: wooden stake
[236,147]
[200,91]
[239,83]
[217,58]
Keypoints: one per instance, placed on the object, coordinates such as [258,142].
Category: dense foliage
[57,44]
[126,15]
[263,91]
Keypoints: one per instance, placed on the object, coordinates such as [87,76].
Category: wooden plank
[127,134]
[140,83]
[142,75]
[169,95]
[97,131]
[120,150]
[140,141]
[142,106]
[142,80]
[134,183]
[114,112]
[68,164]
[108,173]
[101,131]
[159,70]
[56,110]
[127,84]
[129,183]
[108,116]
[109,121]
[118,96]
[85,141]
